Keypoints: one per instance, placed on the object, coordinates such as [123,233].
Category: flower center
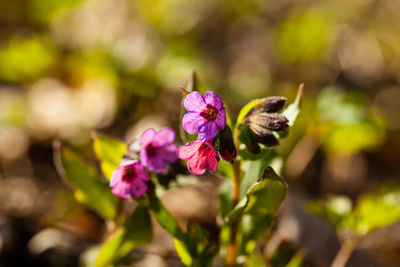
[210,113]
[129,174]
[151,151]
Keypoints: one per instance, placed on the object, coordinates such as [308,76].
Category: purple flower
[200,156]
[206,114]
[130,179]
[157,149]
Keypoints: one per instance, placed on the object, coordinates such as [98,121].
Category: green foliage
[293,109]
[193,246]
[90,189]
[109,151]
[372,210]
[25,59]
[257,209]
[136,231]
[263,201]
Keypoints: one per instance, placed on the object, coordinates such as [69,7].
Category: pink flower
[200,155]
[130,179]
[157,149]
[206,114]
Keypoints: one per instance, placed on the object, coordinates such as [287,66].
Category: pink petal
[212,163]
[197,164]
[147,136]
[169,153]
[116,176]
[138,188]
[122,189]
[188,150]
[213,99]
[195,102]
[221,119]
[192,122]
[141,173]
[208,131]
[164,136]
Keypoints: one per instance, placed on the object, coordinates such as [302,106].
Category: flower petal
[116,176]
[141,173]
[169,153]
[197,164]
[188,150]
[192,122]
[147,136]
[213,99]
[122,189]
[221,119]
[212,163]
[194,102]
[164,136]
[138,188]
[208,131]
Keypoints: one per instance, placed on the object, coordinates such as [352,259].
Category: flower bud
[263,135]
[249,139]
[226,148]
[272,122]
[270,105]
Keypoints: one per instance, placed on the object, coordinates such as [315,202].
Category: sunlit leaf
[262,202]
[90,188]
[110,152]
[136,231]
[246,109]
[183,252]
[164,217]
[293,109]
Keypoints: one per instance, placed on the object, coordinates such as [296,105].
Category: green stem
[231,253]
[345,251]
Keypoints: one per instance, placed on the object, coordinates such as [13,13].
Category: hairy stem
[345,251]
[231,253]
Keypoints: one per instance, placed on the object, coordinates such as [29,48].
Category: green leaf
[164,218]
[90,188]
[375,210]
[246,109]
[136,231]
[183,252]
[109,151]
[293,109]
[262,202]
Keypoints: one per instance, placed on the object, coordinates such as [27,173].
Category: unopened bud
[263,135]
[270,105]
[226,148]
[272,122]
[249,139]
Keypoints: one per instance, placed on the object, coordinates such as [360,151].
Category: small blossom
[206,114]
[130,179]
[200,155]
[157,149]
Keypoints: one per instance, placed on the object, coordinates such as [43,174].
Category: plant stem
[345,251]
[231,250]
[231,253]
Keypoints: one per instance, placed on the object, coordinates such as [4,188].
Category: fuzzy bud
[226,148]
[272,122]
[270,105]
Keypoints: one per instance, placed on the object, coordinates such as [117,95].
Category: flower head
[200,155]
[205,115]
[157,149]
[130,179]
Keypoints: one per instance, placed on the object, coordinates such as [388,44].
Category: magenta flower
[206,114]
[200,155]
[130,179]
[157,149]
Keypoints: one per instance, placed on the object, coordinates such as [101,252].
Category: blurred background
[68,67]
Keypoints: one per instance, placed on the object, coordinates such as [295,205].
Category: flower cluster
[157,150]
[205,116]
